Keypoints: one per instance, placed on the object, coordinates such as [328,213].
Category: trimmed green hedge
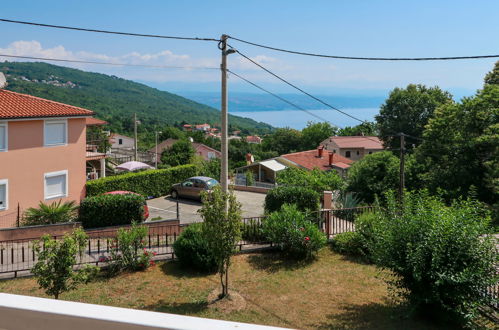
[148,183]
[305,199]
[111,210]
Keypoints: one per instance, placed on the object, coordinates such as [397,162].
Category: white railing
[23,312]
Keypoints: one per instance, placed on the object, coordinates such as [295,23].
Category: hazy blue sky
[355,28]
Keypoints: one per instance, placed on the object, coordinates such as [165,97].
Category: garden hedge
[305,199]
[111,210]
[147,183]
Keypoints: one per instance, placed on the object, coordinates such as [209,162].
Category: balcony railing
[24,312]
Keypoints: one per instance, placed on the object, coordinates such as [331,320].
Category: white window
[211,155]
[56,132]
[3,137]
[56,184]
[4,190]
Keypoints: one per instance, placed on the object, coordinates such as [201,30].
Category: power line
[106,31]
[282,99]
[109,63]
[445,58]
[298,88]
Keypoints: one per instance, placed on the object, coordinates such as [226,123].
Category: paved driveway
[166,207]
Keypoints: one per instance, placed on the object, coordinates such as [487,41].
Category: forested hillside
[115,99]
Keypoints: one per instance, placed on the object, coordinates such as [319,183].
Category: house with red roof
[202,150]
[352,147]
[42,151]
[317,158]
[253,139]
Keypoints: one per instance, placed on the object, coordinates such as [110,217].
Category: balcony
[23,312]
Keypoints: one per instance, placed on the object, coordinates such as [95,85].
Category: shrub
[316,179]
[351,243]
[306,199]
[111,210]
[128,252]
[148,183]
[49,214]
[56,259]
[293,233]
[443,255]
[191,249]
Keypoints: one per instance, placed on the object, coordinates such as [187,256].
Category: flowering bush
[128,252]
[293,233]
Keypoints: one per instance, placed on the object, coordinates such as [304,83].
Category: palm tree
[50,214]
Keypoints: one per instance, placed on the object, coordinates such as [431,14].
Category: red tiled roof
[308,159]
[366,142]
[16,105]
[91,121]
[253,138]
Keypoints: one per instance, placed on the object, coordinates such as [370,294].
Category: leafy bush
[56,259]
[148,183]
[111,210]
[191,249]
[373,175]
[293,233]
[128,252]
[351,243]
[316,179]
[305,199]
[46,214]
[444,256]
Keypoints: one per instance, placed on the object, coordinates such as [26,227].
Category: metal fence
[11,219]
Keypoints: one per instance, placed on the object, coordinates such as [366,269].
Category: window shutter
[55,133]
[3,137]
[55,186]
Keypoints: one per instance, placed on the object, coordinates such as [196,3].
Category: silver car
[192,187]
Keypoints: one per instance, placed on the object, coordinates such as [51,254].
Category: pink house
[202,150]
[42,151]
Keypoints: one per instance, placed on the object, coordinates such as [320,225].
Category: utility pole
[402,167]
[135,136]
[156,157]
[224,171]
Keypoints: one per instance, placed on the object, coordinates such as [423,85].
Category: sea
[298,119]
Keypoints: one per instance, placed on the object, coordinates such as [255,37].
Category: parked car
[123,192]
[192,187]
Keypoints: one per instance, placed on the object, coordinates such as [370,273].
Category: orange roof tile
[16,105]
[310,160]
[91,121]
[366,142]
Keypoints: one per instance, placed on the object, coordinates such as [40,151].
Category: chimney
[320,150]
[331,157]
[249,159]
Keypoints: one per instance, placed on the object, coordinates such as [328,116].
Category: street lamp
[156,157]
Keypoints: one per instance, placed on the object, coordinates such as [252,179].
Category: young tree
[180,153]
[221,213]
[56,259]
[408,111]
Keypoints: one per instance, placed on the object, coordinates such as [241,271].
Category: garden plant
[56,259]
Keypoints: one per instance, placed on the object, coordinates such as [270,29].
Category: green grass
[330,293]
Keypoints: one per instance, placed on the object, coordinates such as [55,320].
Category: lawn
[332,292]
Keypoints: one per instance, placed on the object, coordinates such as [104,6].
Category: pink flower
[307,238]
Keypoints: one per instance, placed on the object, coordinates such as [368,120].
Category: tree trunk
[227,279]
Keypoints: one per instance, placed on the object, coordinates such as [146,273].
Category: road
[165,207]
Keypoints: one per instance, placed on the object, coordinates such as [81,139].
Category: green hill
[115,99]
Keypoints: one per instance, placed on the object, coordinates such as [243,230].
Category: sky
[351,28]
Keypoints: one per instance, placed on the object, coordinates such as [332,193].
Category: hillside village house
[265,172]
[201,150]
[42,151]
[121,141]
[352,147]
